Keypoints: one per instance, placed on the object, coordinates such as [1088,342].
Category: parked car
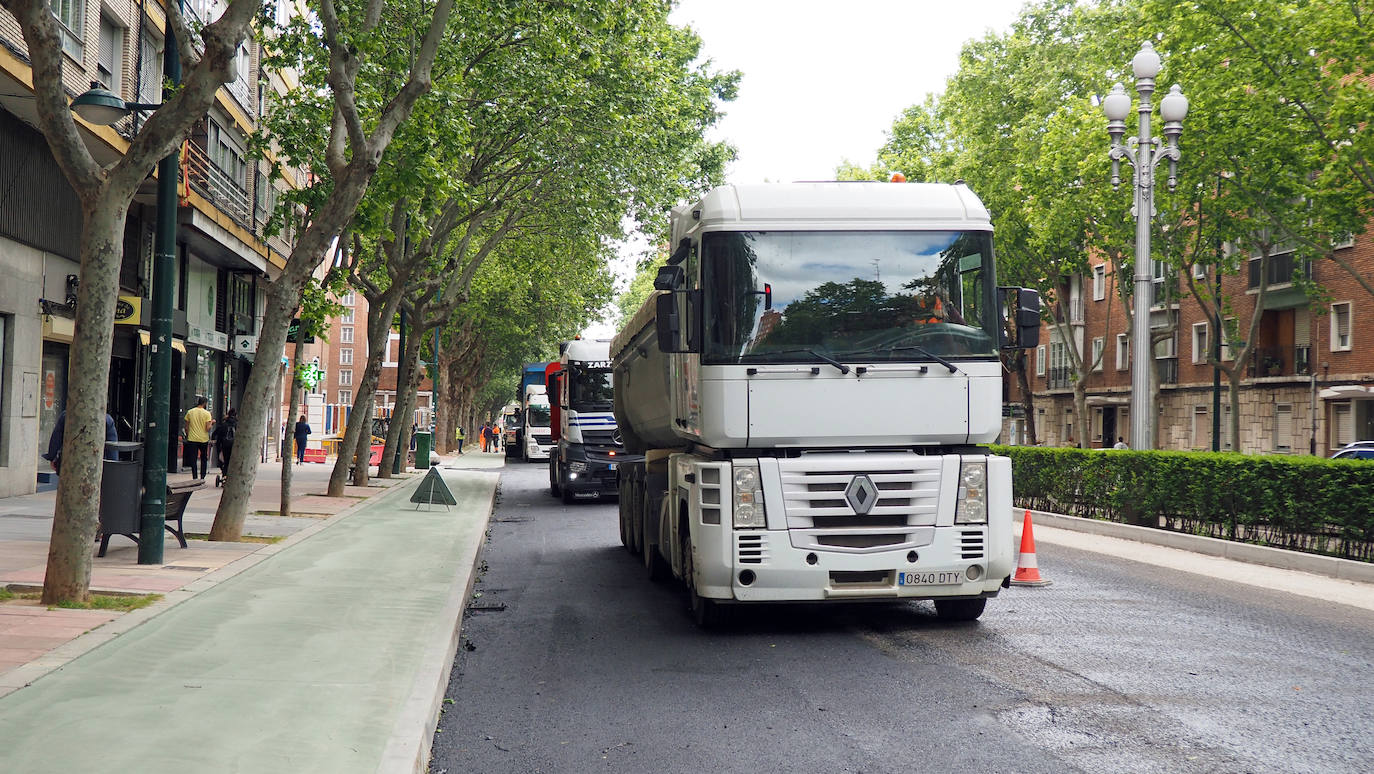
[1359,450]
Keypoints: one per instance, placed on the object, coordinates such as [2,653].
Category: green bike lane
[331,653]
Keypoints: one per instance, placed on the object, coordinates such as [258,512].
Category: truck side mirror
[668,322]
[669,278]
[1027,318]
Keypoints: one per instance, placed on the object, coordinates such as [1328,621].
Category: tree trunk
[379,318]
[283,296]
[76,514]
[289,462]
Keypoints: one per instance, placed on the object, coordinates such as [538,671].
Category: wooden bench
[178,496]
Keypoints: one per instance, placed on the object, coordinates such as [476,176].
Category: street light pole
[1144,157]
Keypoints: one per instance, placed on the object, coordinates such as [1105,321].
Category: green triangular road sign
[432,489]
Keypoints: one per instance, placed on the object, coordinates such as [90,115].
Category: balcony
[219,187]
[1280,361]
[1061,378]
[1166,370]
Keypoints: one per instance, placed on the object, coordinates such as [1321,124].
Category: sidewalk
[332,656]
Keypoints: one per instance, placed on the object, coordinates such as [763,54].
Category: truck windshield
[538,416]
[801,296]
[589,389]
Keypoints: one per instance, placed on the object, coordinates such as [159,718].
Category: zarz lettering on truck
[587,445]
[813,385]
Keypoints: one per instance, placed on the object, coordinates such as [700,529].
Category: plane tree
[105,191]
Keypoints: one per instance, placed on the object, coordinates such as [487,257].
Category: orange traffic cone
[1027,573]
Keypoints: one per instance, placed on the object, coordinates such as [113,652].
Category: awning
[1347,392]
[147,338]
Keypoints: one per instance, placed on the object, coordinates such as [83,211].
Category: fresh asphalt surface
[573,661]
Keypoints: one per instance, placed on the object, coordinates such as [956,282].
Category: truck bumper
[783,573]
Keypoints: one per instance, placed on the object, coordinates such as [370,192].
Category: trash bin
[121,487]
[422,450]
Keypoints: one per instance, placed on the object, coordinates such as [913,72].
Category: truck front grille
[819,515]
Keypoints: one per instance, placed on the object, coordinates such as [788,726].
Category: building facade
[1307,383]
[223,253]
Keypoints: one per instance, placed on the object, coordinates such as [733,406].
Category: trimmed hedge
[1306,504]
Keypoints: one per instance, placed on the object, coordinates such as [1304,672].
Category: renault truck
[812,386]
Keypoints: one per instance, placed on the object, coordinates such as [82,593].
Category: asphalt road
[573,661]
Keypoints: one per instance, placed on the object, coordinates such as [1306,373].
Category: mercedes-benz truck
[587,447]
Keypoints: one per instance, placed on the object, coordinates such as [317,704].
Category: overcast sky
[823,81]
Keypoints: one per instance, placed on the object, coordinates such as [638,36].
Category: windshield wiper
[844,369]
[922,351]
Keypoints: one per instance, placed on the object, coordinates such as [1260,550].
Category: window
[1200,344]
[72,15]
[1199,271]
[1342,425]
[1343,241]
[1340,327]
[1283,427]
[1040,360]
[346,397]
[1167,348]
[150,68]
[1099,344]
[346,317]
[345,377]
[1201,428]
[1226,427]
[1123,352]
[347,299]
[110,61]
[1099,282]
[1097,423]
[1076,298]
[346,357]
[346,335]
[226,155]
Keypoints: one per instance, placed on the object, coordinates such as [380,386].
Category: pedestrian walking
[196,425]
[58,437]
[302,434]
[223,436]
[1120,443]
[458,436]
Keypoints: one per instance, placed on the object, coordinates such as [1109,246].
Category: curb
[55,659]
[1283,559]
[412,735]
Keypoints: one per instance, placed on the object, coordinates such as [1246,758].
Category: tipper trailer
[813,385]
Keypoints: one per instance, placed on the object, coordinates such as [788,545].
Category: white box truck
[813,385]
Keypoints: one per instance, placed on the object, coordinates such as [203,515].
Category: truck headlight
[748,498]
[972,503]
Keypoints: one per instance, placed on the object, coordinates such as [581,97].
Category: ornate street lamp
[1144,156]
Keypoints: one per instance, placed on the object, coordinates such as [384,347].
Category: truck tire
[706,613]
[554,490]
[654,565]
[959,609]
[624,498]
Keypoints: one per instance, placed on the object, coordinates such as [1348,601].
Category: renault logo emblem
[861,494]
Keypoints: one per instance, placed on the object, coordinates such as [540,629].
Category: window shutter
[1283,428]
[1345,424]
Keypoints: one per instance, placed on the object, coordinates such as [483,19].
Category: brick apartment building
[1307,386]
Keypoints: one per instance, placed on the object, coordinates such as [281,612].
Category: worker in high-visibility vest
[458,436]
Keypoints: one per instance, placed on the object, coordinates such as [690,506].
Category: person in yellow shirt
[197,428]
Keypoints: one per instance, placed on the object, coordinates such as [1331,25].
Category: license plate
[611,466]
[930,578]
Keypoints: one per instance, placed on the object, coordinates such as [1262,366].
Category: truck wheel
[706,613]
[554,490]
[654,566]
[959,609]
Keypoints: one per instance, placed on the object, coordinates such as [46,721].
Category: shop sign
[128,310]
